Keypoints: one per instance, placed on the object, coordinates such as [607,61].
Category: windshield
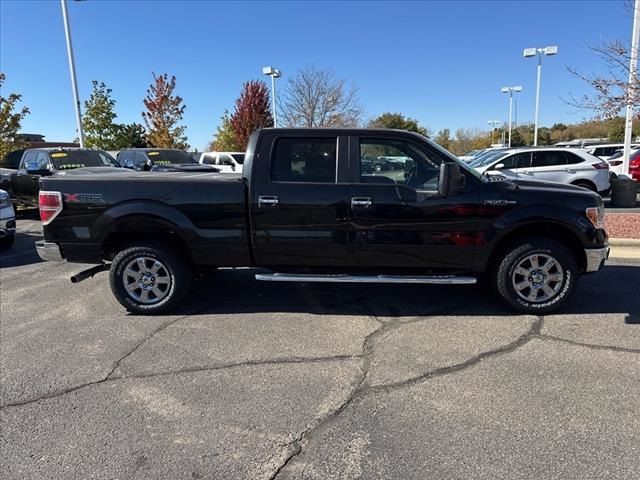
[69,159]
[166,157]
[486,159]
[238,157]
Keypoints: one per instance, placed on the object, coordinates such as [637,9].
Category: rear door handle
[527,172]
[361,202]
[569,170]
[267,200]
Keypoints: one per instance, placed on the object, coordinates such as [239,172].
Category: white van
[226,162]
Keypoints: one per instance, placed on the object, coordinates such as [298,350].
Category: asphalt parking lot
[258,381]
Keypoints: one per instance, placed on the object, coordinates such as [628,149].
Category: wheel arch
[550,230]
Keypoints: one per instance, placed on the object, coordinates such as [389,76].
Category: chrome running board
[434,280]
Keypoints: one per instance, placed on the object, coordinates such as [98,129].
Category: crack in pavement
[65,391]
[613,348]
[368,351]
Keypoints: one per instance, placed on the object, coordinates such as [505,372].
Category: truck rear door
[299,201]
[399,220]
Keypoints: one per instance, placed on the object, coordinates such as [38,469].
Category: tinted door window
[572,158]
[224,159]
[393,161]
[548,159]
[519,160]
[139,159]
[310,160]
[124,156]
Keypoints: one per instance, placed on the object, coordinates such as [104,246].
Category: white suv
[226,162]
[561,165]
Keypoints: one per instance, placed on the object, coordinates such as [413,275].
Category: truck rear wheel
[149,278]
[536,276]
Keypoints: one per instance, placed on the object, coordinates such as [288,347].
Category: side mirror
[498,166]
[451,181]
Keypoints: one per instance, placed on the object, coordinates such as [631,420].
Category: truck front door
[298,201]
[399,220]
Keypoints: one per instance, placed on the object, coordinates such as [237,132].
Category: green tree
[616,129]
[225,139]
[132,135]
[164,114]
[99,115]
[10,121]
[443,138]
[398,121]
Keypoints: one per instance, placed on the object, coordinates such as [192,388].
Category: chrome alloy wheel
[538,278]
[146,280]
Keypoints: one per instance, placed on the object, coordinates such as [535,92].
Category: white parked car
[605,152]
[615,161]
[7,221]
[226,162]
[561,165]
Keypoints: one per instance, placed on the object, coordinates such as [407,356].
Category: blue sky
[440,62]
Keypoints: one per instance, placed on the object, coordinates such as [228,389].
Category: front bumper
[7,227]
[49,251]
[595,258]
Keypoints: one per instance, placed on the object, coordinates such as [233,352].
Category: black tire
[174,269]
[587,185]
[7,242]
[517,259]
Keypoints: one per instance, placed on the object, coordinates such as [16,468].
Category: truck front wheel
[149,278]
[536,276]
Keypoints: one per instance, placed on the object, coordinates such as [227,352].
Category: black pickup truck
[310,206]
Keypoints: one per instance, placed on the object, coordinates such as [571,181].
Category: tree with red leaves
[164,112]
[252,111]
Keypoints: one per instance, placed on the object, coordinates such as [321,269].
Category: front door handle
[361,202]
[267,200]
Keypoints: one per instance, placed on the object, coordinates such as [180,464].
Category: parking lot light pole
[493,124]
[72,69]
[631,95]
[273,73]
[532,52]
[510,91]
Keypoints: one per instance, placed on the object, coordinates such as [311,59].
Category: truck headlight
[596,216]
[5,199]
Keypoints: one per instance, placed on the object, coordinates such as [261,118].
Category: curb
[624,242]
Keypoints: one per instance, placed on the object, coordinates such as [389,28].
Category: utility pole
[633,72]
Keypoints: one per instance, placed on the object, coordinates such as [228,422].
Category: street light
[273,73]
[493,124]
[72,69]
[532,52]
[510,91]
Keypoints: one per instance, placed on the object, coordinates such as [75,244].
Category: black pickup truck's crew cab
[161,160]
[23,184]
[311,206]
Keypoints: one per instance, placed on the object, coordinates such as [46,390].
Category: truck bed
[207,210]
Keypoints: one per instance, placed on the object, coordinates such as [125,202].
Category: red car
[634,165]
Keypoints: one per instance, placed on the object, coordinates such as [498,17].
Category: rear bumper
[595,258]
[49,251]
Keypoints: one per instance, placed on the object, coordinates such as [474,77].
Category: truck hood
[184,167]
[536,187]
[91,171]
